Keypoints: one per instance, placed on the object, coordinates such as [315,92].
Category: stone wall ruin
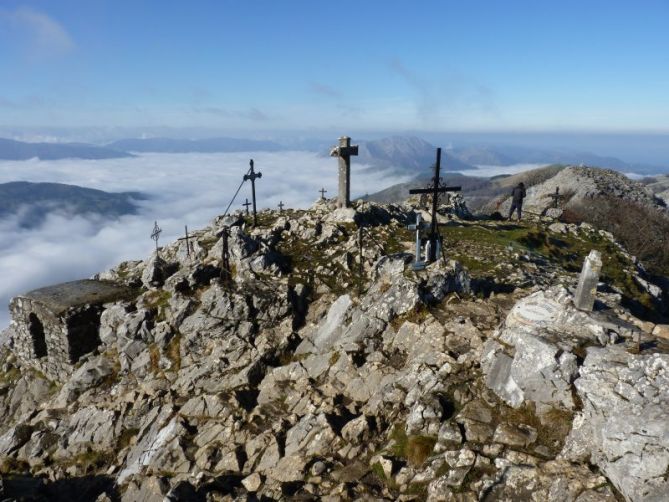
[53,327]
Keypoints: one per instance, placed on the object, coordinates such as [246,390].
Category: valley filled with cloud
[182,189]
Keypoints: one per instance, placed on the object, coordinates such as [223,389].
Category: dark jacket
[518,194]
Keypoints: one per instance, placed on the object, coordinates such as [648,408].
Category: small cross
[247,204]
[323,191]
[281,204]
[556,197]
[187,239]
[155,234]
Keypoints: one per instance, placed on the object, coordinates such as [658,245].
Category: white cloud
[41,35]
[186,189]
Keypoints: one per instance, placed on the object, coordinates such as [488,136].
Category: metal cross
[247,204]
[187,239]
[155,234]
[556,197]
[418,264]
[323,191]
[281,204]
[435,190]
[253,176]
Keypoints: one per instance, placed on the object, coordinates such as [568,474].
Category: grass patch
[173,352]
[10,376]
[334,358]
[415,449]
[92,461]
[482,248]
[417,315]
[419,448]
[551,434]
[158,300]
[154,357]
[10,465]
[126,437]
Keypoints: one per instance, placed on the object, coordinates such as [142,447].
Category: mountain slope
[32,202]
[211,145]
[302,374]
[506,155]
[18,150]
[406,155]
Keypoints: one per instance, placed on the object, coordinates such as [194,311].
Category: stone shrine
[53,327]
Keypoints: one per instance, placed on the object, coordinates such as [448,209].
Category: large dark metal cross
[434,190]
[252,176]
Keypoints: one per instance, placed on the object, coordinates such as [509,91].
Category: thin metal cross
[323,191]
[281,204]
[155,234]
[556,197]
[435,190]
[253,176]
[187,239]
[247,204]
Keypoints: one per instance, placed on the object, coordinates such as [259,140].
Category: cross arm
[432,190]
[252,176]
[344,151]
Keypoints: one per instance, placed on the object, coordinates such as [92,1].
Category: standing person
[517,197]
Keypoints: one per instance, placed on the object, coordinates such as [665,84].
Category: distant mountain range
[396,154]
[19,150]
[501,155]
[406,155]
[32,202]
[211,145]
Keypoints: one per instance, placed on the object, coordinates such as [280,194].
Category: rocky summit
[306,359]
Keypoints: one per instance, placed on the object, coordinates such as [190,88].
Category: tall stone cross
[344,151]
[434,190]
[418,263]
[155,234]
[247,204]
[252,176]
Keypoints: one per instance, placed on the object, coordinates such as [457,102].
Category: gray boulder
[623,425]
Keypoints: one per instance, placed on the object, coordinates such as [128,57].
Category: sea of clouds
[183,189]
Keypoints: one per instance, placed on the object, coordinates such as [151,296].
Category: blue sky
[384,65]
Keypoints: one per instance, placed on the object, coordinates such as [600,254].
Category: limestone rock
[622,427]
